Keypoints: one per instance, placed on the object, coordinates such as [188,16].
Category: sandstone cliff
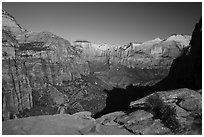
[115,64]
[35,65]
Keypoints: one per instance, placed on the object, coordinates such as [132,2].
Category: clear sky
[111,23]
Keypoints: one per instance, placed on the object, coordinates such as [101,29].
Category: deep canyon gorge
[100,88]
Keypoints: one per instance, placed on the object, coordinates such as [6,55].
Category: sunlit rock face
[182,39]
[37,66]
[9,21]
[115,64]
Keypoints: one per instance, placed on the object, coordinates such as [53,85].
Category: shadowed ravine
[119,99]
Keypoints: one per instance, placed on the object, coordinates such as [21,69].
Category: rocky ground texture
[165,112]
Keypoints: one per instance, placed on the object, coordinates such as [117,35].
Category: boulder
[45,125]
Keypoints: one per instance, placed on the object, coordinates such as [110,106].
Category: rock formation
[108,62]
[166,112]
[37,66]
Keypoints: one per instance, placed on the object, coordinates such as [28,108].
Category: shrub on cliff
[197,121]
[164,112]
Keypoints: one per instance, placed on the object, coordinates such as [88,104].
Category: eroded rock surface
[165,112]
[44,73]
[46,125]
[120,66]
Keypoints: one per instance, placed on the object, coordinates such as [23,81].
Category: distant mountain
[118,65]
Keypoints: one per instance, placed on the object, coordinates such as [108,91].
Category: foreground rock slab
[46,125]
[61,124]
[161,113]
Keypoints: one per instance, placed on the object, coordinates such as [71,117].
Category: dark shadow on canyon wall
[185,72]
[119,99]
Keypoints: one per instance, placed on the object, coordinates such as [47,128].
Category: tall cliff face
[196,55]
[9,21]
[134,54]
[36,70]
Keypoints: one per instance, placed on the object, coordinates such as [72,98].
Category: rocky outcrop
[166,112]
[186,103]
[47,125]
[9,21]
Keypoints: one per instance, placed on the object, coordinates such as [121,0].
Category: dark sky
[112,23]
